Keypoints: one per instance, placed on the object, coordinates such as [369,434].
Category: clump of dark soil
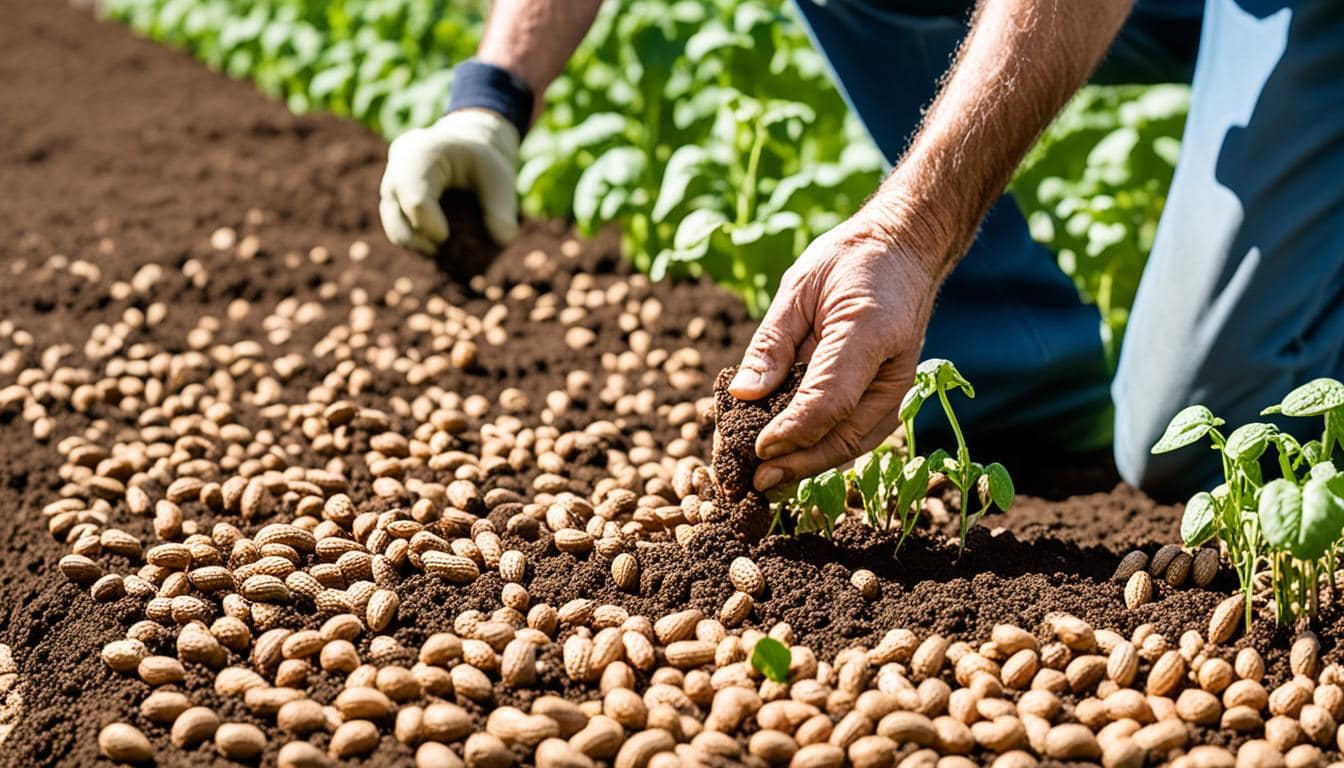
[739,422]
[469,251]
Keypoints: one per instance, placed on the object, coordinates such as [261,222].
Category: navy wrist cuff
[486,86]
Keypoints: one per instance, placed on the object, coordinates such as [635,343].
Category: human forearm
[1020,63]
[535,38]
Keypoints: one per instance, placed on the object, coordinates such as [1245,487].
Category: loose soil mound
[120,155]
[739,422]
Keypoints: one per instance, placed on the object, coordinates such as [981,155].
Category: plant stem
[1276,586]
[1314,595]
[746,202]
[1247,577]
[963,454]
[1330,559]
[1104,306]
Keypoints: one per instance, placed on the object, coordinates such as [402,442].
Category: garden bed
[145,194]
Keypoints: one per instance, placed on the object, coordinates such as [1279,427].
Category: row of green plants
[1279,511]
[892,482]
[710,131]
[387,63]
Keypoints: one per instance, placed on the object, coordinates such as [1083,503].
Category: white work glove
[472,149]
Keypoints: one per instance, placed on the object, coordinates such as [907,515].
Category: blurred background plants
[709,131]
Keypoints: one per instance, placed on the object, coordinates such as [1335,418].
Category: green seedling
[771,658]
[892,488]
[1291,524]
[816,506]
[990,486]
[892,484]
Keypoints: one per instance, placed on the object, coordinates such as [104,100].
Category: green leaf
[1186,427]
[771,658]
[1313,452]
[914,483]
[937,374]
[1324,470]
[1248,442]
[686,164]
[756,231]
[1322,516]
[694,231]
[912,402]
[1198,522]
[327,83]
[1313,398]
[1000,486]
[868,478]
[1281,514]
[618,168]
[829,493]
[941,461]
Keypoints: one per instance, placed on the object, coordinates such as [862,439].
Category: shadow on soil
[927,555]
[469,251]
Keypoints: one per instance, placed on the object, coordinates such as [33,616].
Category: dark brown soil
[122,153]
[739,422]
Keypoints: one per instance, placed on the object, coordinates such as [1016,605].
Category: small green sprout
[991,485]
[771,658]
[892,484]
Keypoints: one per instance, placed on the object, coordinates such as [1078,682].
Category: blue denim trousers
[1243,296]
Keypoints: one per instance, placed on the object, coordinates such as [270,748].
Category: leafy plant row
[1285,532]
[892,484]
[710,131]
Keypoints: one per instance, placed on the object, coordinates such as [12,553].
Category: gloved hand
[472,149]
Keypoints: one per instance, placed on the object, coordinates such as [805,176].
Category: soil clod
[739,422]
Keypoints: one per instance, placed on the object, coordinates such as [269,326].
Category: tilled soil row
[251,450]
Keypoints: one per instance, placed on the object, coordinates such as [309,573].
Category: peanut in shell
[1225,619]
[124,743]
[736,609]
[1157,567]
[1241,719]
[1166,674]
[746,576]
[1304,656]
[1138,589]
[1129,565]
[1205,567]
[1178,570]
[625,571]
[1123,663]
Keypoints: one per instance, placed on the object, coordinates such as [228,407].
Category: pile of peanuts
[270,517]
[680,690]
[11,695]
[1171,564]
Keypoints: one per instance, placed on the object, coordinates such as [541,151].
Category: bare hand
[857,303]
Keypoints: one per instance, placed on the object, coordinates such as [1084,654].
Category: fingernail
[747,378]
[774,450]
[768,477]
